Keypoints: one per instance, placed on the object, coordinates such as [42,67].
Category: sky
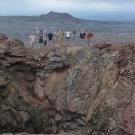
[86,9]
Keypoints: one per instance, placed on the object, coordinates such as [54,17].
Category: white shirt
[32,38]
[68,34]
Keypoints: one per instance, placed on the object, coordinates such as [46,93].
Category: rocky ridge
[67,90]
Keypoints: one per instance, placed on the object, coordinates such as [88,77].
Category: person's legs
[34,43]
[41,43]
[49,41]
[61,41]
[67,39]
[45,43]
[30,44]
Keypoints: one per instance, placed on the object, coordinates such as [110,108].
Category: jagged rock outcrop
[70,89]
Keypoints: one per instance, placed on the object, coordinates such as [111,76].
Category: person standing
[45,38]
[55,37]
[82,35]
[61,36]
[32,40]
[74,34]
[89,36]
[40,37]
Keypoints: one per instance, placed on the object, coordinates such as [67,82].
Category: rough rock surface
[67,90]
[2,38]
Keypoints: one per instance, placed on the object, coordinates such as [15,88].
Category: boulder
[3,49]
[15,48]
[3,38]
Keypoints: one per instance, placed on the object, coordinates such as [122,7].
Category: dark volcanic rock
[73,89]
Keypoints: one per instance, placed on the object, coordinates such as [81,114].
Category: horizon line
[79,17]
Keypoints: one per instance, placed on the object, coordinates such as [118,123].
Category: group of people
[44,37]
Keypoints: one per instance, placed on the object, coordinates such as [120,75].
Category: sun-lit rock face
[71,89]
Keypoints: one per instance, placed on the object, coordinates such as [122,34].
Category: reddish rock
[71,90]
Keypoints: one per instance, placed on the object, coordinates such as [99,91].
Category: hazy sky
[89,9]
